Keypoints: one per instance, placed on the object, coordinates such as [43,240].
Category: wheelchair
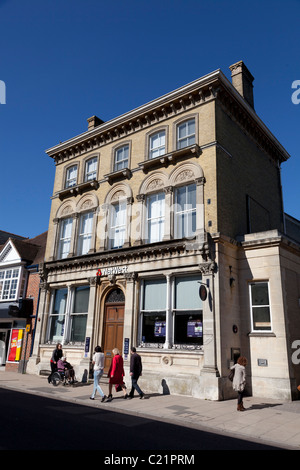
[66,377]
[58,378]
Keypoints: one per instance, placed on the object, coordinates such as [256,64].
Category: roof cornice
[195,93]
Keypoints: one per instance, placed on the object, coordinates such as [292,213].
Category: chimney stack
[242,80]
[93,122]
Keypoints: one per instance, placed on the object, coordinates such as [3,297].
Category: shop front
[12,335]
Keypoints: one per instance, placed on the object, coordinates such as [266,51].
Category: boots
[240,407]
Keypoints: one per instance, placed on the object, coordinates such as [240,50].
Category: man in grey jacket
[135,372]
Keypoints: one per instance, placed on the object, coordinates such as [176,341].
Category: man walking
[135,372]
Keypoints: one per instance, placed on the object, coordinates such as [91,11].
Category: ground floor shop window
[154,311]
[187,311]
[79,314]
[171,312]
[68,317]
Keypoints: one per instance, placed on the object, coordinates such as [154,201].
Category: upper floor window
[65,234]
[71,176]
[155,217]
[8,283]
[91,169]
[121,158]
[260,306]
[117,230]
[85,233]
[186,134]
[185,211]
[157,145]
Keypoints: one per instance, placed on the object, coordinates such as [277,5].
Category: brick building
[19,296]
[180,194]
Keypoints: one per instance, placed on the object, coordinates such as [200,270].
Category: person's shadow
[260,406]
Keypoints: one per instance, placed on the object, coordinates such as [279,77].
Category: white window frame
[253,329]
[64,240]
[85,237]
[123,161]
[160,148]
[92,174]
[188,138]
[9,283]
[115,227]
[188,213]
[71,180]
[157,219]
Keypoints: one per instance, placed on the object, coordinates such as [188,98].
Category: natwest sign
[112,270]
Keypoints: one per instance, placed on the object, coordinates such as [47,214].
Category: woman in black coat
[56,355]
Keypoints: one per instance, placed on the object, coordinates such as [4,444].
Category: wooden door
[113,331]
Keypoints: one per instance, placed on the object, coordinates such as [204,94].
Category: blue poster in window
[194,329]
[160,328]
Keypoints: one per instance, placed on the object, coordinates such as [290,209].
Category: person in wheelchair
[66,370]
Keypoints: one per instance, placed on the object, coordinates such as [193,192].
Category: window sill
[262,334]
[175,349]
[170,158]
[78,189]
[125,173]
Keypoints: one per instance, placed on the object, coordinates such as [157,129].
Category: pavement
[265,420]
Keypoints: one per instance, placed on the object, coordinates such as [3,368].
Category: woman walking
[116,374]
[239,380]
[98,363]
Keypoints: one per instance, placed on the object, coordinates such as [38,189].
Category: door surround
[113,324]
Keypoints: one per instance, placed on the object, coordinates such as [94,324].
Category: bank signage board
[112,270]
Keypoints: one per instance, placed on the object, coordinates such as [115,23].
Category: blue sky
[64,61]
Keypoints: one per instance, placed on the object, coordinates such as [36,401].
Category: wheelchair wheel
[56,379]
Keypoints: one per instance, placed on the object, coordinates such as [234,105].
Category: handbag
[231,375]
[118,387]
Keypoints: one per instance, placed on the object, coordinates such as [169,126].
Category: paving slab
[268,421]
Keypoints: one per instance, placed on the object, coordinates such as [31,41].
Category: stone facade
[179,193]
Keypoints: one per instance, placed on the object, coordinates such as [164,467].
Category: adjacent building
[19,294]
[167,232]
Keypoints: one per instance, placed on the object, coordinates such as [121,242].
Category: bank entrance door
[113,325]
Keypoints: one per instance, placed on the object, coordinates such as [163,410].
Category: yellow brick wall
[205,134]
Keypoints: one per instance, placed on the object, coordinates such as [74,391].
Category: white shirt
[98,360]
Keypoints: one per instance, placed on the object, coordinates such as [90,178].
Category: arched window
[115,296]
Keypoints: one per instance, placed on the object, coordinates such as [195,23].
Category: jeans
[97,376]
[135,386]
[240,397]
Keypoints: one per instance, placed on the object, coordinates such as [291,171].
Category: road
[30,422]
